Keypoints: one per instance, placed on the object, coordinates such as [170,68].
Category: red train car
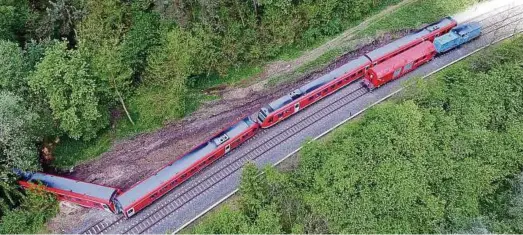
[77,192]
[428,33]
[399,65]
[312,92]
[149,190]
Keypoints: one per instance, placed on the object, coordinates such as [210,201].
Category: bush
[35,209]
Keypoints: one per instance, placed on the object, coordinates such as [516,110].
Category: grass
[320,62]
[151,108]
[70,152]
[416,14]
[296,50]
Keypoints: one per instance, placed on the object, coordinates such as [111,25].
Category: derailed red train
[376,68]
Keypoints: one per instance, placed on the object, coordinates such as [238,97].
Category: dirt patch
[72,216]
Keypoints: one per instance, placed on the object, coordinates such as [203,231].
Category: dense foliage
[445,157]
[34,210]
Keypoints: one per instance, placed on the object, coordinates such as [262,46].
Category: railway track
[191,189]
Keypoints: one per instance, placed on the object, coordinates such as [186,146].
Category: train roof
[448,37]
[352,65]
[466,28]
[148,185]
[315,84]
[399,43]
[280,102]
[70,185]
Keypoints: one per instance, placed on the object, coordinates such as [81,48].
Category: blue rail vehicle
[459,35]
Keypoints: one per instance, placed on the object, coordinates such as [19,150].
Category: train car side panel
[78,192]
[399,65]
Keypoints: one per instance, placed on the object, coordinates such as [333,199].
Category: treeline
[71,68]
[446,157]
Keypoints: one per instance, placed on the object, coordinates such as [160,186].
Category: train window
[183,176]
[173,182]
[397,72]
[153,196]
[339,83]
[244,136]
[375,63]
[325,91]
[311,98]
[130,212]
[280,115]
[270,120]
[333,86]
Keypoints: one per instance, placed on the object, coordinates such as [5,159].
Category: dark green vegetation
[445,157]
[32,211]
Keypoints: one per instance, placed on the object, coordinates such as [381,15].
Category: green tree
[17,147]
[35,209]
[56,19]
[65,81]
[170,64]
[13,16]
[227,221]
[138,41]
[254,192]
[13,68]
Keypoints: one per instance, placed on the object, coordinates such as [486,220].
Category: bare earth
[131,160]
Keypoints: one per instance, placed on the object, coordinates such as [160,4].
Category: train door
[297,107]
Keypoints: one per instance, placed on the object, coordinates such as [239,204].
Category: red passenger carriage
[399,65]
[149,190]
[78,192]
